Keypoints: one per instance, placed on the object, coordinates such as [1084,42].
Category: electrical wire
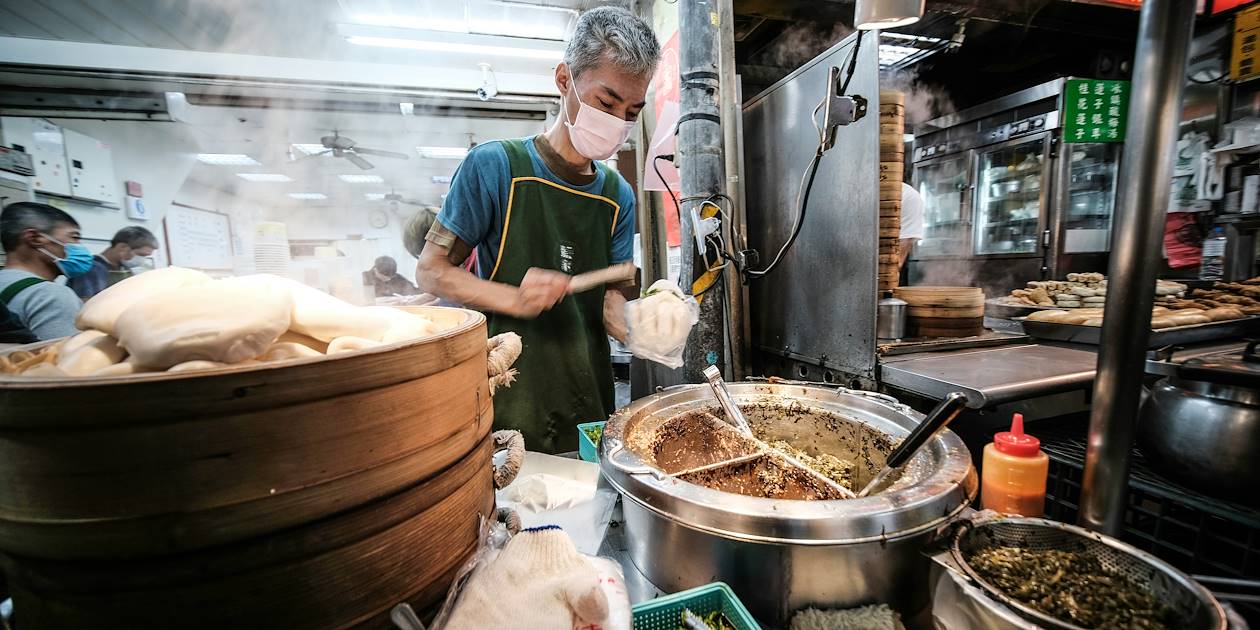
[670,157]
[811,171]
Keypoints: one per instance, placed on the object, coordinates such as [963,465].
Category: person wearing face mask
[129,249]
[539,210]
[41,243]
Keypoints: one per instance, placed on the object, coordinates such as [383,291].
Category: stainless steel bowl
[781,555]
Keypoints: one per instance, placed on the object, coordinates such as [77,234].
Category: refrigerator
[1005,200]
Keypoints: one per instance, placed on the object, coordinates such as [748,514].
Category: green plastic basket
[588,450]
[665,613]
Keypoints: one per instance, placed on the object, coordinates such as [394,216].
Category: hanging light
[881,14]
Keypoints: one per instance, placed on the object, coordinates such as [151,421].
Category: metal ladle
[933,423]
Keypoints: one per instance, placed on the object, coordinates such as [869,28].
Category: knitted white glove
[538,582]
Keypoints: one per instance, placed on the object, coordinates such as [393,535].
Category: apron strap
[518,158]
[17,287]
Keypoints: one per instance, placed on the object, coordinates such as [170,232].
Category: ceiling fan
[343,147]
[394,197]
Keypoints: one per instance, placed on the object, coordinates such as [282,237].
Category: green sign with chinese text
[1095,110]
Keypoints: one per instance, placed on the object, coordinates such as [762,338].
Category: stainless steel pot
[890,318]
[783,555]
[1201,425]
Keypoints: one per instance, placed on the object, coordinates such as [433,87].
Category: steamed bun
[226,321]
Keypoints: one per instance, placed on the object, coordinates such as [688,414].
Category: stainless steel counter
[991,376]
[1008,373]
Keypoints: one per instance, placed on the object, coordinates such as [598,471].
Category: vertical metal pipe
[736,299]
[701,167]
[1159,71]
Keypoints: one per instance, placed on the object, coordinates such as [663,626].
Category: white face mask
[135,262]
[596,134]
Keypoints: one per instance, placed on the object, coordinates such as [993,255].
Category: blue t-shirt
[476,205]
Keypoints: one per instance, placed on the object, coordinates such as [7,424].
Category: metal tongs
[734,416]
[933,423]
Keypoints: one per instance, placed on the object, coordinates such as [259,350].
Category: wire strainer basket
[1194,606]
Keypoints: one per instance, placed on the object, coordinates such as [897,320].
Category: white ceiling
[308,29]
[266,136]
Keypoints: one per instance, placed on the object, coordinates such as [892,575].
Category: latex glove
[660,322]
[539,580]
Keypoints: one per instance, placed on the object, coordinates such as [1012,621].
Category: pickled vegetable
[1073,587]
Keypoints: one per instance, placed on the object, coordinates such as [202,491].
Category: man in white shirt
[911,221]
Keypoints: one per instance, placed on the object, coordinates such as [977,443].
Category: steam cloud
[923,101]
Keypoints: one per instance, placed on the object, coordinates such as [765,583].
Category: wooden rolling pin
[620,272]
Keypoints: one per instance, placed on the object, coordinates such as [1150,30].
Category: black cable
[852,64]
[670,157]
[813,172]
[800,218]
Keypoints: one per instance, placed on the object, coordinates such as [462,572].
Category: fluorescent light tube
[442,153]
[264,177]
[361,179]
[455,47]
[308,196]
[310,149]
[227,159]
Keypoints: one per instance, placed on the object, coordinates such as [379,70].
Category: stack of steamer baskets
[943,311]
[892,116]
[315,494]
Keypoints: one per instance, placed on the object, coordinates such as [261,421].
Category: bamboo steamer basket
[943,311]
[941,296]
[344,571]
[152,464]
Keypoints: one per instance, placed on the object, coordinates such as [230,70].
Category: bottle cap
[1015,442]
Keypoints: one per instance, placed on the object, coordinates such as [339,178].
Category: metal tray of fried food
[1178,335]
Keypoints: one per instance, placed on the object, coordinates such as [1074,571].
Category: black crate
[1193,532]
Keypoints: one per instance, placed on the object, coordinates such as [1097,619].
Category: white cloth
[911,213]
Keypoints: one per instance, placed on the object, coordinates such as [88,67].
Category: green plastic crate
[588,450]
[665,613]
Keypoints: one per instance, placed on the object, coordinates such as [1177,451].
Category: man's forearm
[435,274]
[615,314]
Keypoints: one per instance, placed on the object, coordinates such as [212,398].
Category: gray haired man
[541,209]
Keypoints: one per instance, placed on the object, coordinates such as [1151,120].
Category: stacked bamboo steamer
[892,117]
[943,311]
[313,494]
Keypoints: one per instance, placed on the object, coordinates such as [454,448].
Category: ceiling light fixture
[308,196]
[227,159]
[442,153]
[455,47]
[900,50]
[264,177]
[361,179]
[310,149]
[441,179]
[549,27]
[374,196]
[883,14]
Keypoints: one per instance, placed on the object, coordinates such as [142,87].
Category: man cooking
[541,209]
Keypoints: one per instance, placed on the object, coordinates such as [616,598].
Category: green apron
[565,374]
